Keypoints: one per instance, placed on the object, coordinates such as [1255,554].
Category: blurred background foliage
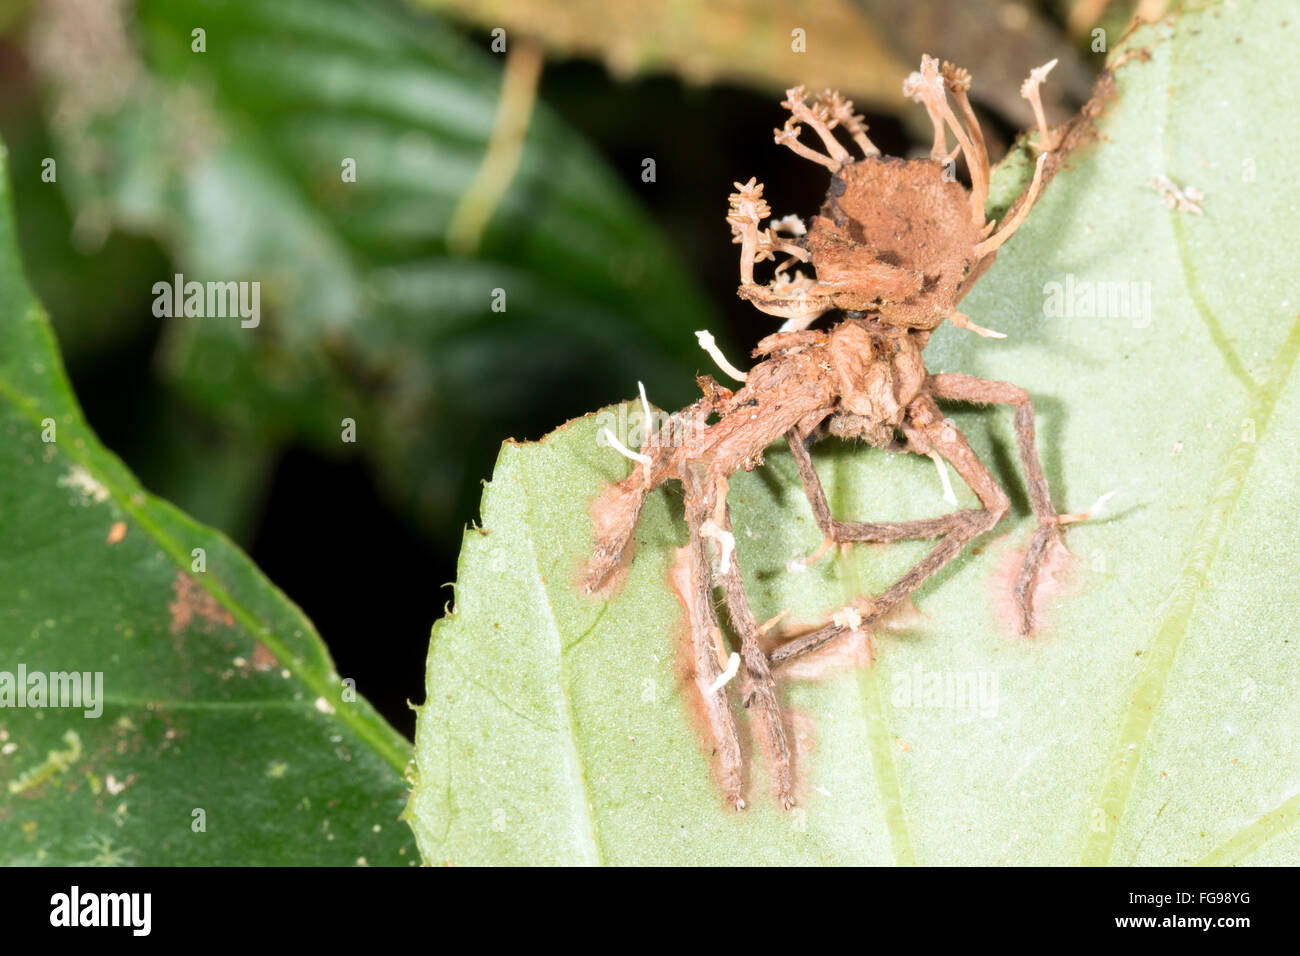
[227,164]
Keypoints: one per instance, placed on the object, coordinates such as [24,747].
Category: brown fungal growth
[1058,577]
[192,605]
[894,248]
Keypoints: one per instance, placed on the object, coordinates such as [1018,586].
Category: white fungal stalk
[726,543]
[721,681]
[645,407]
[942,467]
[709,345]
[963,322]
[1098,510]
[623,450]
[847,617]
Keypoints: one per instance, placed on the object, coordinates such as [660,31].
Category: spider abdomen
[895,238]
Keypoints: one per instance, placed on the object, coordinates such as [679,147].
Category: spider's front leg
[967,388]
[707,650]
[618,508]
[845,532]
[709,518]
[758,690]
[926,427]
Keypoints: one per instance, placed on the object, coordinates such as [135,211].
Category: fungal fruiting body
[894,248]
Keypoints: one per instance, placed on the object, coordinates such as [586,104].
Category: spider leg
[843,532]
[967,388]
[924,424]
[758,690]
[618,509]
[708,651]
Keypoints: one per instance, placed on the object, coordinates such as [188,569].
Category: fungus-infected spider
[895,246]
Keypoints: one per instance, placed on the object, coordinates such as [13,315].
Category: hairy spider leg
[621,503]
[757,689]
[844,532]
[968,388]
[707,650]
[927,428]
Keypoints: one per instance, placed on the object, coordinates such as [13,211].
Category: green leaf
[1153,719]
[234,157]
[217,694]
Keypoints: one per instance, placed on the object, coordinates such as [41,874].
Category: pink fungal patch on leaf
[852,650]
[192,602]
[614,514]
[801,735]
[719,735]
[1057,578]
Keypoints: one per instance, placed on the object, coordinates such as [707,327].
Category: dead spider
[895,247]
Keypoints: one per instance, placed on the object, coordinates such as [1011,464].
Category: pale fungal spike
[847,618]
[771,622]
[789,136]
[802,564]
[1097,510]
[747,204]
[963,322]
[944,480]
[791,225]
[940,147]
[709,345]
[956,78]
[1030,91]
[925,87]
[841,112]
[928,87]
[726,543]
[770,242]
[797,323]
[1186,199]
[623,450]
[992,243]
[818,117]
[730,671]
[958,81]
[645,407]
[746,209]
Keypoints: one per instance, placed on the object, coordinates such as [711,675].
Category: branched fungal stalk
[894,248]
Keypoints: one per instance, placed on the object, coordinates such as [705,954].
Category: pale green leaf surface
[1154,719]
